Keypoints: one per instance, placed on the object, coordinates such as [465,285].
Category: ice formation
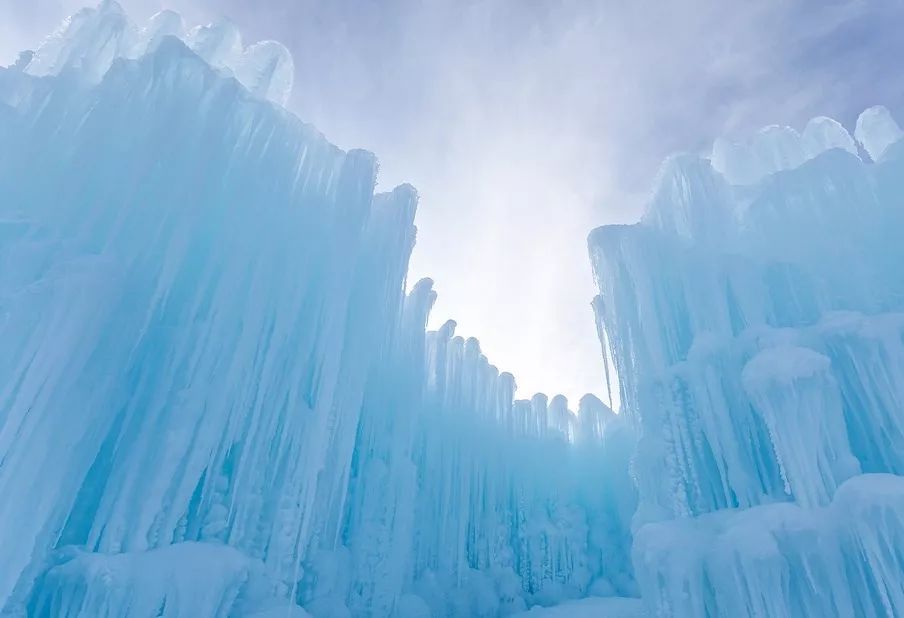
[217,399]
[755,317]
[90,42]
[776,148]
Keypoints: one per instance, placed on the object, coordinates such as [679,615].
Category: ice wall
[755,317]
[192,283]
[491,504]
[215,398]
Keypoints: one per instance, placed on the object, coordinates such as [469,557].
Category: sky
[526,123]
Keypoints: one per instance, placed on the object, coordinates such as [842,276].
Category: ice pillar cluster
[755,318]
[216,398]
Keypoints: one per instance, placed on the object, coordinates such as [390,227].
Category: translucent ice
[776,148]
[91,40]
[218,399]
[800,402]
[780,559]
[754,319]
[877,130]
[88,42]
[215,396]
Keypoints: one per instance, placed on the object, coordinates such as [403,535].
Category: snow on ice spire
[92,39]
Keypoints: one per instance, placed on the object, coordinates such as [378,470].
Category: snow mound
[188,579]
[611,607]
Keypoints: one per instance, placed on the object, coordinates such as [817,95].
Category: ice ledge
[90,41]
[780,560]
[593,607]
[188,579]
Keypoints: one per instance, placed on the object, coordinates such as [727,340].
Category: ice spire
[93,38]
[877,130]
[823,134]
[88,42]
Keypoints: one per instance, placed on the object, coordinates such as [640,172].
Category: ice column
[794,391]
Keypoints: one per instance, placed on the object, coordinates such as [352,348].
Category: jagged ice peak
[93,38]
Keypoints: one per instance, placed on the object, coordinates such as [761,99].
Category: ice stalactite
[210,312]
[794,392]
[781,559]
[215,396]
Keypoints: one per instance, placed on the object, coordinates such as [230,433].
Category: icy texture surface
[776,148]
[590,608]
[781,559]
[755,317]
[799,401]
[190,579]
[877,130]
[215,397]
[90,42]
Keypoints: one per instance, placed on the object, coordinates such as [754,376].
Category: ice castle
[217,397]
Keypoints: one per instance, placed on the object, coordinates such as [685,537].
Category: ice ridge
[93,38]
